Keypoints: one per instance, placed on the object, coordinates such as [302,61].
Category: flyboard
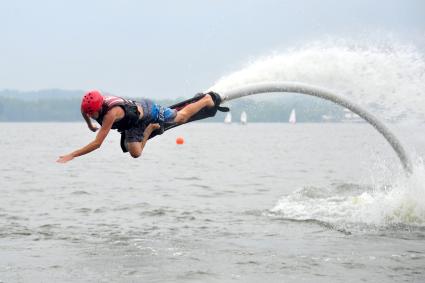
[292,87]
[204,113]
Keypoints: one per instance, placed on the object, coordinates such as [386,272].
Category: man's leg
[184,115]
[135,147]
[133,138]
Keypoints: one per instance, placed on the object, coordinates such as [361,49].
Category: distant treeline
[64,106]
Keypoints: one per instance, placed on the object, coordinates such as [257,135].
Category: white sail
[244,118]
[228,118]
[350,117]
[293,117]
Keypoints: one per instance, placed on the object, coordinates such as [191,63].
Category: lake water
[254,203]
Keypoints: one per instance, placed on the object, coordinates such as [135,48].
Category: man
[138,120]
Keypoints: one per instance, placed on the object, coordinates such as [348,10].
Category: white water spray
[387,79]
[400,201]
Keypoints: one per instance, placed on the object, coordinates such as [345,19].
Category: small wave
[197,275]
[398,206]
[100,210]
[49,226]
[156,212]
[201,186]
[84,210]
[80,193]
[15,230]
[326,225]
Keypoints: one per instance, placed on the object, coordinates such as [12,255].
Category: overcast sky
[174,48]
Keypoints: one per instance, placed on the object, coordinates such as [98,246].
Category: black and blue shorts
[151,115]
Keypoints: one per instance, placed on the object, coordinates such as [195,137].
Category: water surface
[255,203]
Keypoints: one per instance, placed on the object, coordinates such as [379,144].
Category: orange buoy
[179,140]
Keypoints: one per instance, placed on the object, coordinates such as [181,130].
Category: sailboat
[350,117]
[243,118]
[228,118]
[293,117]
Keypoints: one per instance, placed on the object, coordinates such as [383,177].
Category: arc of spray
[294,87]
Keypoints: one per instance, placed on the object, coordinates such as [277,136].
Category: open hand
[65,158]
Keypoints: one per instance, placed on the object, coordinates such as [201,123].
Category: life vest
[130,118]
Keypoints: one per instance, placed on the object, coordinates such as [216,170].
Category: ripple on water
[192,178]
[198,275]
[100,210]
[83,210]
[80,193]
[201,186]
[157,212]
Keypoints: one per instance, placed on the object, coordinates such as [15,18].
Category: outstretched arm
[100,137]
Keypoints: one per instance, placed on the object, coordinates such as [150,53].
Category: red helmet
[92,102]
